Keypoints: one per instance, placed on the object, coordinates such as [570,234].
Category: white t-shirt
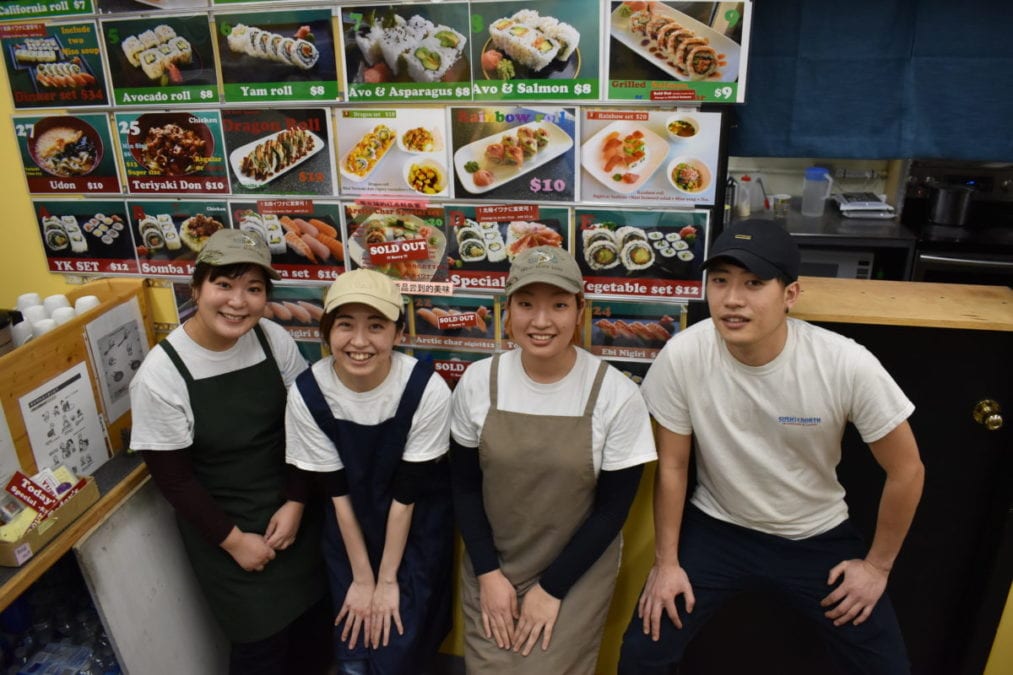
[621,427]
[308,448]
[162,416]
[768,438]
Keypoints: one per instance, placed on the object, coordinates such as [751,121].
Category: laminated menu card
[456,322]
[173,152]
[33,9]
[86,236]
[277,56]
[641,254]
[414,52]
[632,330]
[54,65]
[544,51]
[170,233]
[677,51]
[161,60]
[67,153]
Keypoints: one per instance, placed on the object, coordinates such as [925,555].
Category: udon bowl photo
[170,144]
[689,175]
[682,127]
[427,177]
[65,146]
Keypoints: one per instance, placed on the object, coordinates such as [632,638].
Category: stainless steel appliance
[962,213]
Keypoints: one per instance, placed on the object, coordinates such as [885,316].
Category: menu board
[484,240]
[170,234]
[277,56]
[283,151]
[514,153]
[173,153]
[67,153]
[456,322]
[86,237]
[393,151]
[643,156]
[544,50]
[406,242]
[56,65]
[628,330]
[641,254]
[677,51]
[304,236]
[161,60]
[414,52]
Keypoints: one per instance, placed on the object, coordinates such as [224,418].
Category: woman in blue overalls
[375,423]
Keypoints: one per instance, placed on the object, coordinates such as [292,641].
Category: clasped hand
[855,598]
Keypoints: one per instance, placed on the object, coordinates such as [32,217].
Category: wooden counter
[905,303]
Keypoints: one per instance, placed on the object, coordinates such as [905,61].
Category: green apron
[238,456]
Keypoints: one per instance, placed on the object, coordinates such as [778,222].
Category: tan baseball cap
[228,247]
[545,264]
[368,287]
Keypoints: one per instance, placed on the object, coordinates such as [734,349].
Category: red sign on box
[398,251]
[32,494]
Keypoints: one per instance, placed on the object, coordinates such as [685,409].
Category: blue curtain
[878,80]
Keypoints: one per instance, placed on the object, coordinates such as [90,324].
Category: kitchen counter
[900,303]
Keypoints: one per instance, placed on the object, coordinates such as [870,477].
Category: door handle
[988,413]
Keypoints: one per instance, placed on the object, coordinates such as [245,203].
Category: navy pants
[722,560]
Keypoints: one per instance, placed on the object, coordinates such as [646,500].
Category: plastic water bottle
[743,202]
[815,190]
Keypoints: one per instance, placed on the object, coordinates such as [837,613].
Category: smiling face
[543,321]
[227,307]
[749,312]
[361,341]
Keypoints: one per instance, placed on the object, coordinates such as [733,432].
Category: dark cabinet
[950,582]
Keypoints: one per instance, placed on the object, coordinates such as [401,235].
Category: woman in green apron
[548,444]
[208,417]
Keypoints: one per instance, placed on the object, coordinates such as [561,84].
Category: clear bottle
[815,190]
[743,201]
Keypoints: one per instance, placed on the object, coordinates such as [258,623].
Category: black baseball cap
[761,246]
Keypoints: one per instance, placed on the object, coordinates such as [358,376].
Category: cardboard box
[17,553]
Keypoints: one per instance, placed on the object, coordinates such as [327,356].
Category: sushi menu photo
[83,237]
[641,254]
[641,156]
[407,53]
[677,51]
[628,330]
[161,60]
[54,65]
[277,56]
[170,234]
[535,51]
[67,153]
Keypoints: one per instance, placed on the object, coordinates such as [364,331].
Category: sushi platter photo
[280,151]
[304,243]
[417,45]
[299,310]
[664,157]
[453,323]
[664,249]
[492,246]
[632,330]
[531,45]
[170,234]
[44,73]
[86,236]
[277,56]
[400,152]
[488,163]
[404,246]
[153,61]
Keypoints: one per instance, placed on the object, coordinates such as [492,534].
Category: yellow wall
[23,268]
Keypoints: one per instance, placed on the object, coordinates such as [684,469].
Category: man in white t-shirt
[767,398]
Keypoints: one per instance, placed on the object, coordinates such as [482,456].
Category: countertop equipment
[975,199]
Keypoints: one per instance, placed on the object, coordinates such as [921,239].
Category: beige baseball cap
[368,287]
[228,247]
[545,264]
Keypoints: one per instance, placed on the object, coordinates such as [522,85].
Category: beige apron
[538,487]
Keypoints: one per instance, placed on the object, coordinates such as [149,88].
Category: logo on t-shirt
[793,421]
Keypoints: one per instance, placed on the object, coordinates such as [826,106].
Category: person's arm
[355,609]
[865,579]
[497,595]
[614,494]
[172,472]
[284,524]
[386,602]
[667,580]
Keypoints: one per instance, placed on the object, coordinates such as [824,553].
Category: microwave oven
[839,263]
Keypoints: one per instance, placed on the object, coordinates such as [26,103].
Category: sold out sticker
[398,251]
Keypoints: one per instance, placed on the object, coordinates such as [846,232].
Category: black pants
[303,646]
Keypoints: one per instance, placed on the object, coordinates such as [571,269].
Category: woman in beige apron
[548,447]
